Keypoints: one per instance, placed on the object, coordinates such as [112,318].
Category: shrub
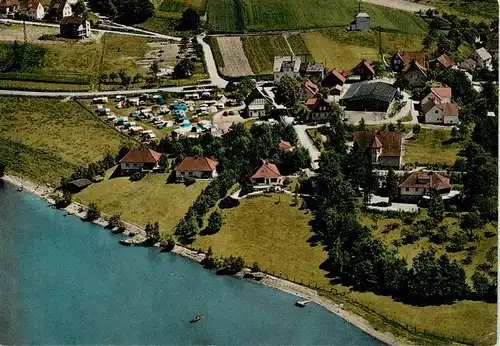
[458,242]
[137,176]
[189,181]
[93,212]
[169,244]
[287,181]
[232,265]
[255,267]
[410,235]
[64,200]
[214,222]
[115,221]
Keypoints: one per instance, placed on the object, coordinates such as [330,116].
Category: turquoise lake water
[63,281]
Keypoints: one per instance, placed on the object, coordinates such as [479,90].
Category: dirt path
[235,61]
[401,5]
[288,43]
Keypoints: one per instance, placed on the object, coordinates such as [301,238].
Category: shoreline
[136,235]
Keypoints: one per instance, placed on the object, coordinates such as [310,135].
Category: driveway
[406,207]
[210,63]
[224,122]
[307,143]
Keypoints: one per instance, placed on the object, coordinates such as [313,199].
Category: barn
[368,96]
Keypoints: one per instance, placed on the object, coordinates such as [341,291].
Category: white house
[420,184]
[33,9]
[140,159]
[483,58]
[258,103]
[438,108]
[199,167]
[286,66]
[8,7]
[384,147]
[267,175]
[74,27]
[59,9]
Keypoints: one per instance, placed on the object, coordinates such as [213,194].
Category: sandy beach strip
[138,236]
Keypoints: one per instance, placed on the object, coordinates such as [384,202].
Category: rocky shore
[137,236]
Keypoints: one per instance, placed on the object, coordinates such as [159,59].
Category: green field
[44,139]
[147,200]
[41,86]
[261,50]
[432,146]
[265,15]
[165,23]
[179,6]
[477,11]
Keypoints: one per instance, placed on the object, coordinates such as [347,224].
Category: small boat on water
[197,318]
[302,303]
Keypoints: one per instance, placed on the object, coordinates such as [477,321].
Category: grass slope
[147,200]
[44,139]
[261,50]
[264,15]
[478,11]
[432,146]
[180,6]
[271,232]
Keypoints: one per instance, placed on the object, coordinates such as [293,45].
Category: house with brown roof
[32,9]
[444,62]
[437,107]
[59,9]
[469,65]
[416,74]
[74,27]
[362,71]
[319,108]
[420,184]
[385,148]
[258,103]
[333,79]
[140,159]
[199,167]
[284,145]
[401,59]
[267,175]
[8,8]
[309,89]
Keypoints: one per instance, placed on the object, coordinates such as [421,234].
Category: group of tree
[240,89]
[152,232]
[22,57]
[93,212]
[225,265]
[92,171]
[190,20]
[128,12]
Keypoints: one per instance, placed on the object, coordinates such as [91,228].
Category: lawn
[165,23]
[477,11]
[179,6]
[265,15]
[41,86]
[147,200]
[44,139]
[268,230]
[340,49]
[261,50]
[432,146]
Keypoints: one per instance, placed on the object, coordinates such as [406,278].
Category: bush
[232,265]
[458,242]
[169,244]
[189,181]
[410,235]
[287,181]
[63,201]
[115,222]
[137,176]
[93,212]
[255,267]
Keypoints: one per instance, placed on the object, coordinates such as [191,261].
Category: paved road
[307,143]
[210,63]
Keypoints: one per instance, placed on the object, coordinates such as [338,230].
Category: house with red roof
[319,108]
[267,175]
[437,107]
[284,145]
[444,62]
[199,167]
[422,183]
[309,89]
[362,71]
[385,148]
[333,79]
[401,59]
[469,65]
[8,7]
[59,9]
[32,9]
[140,159]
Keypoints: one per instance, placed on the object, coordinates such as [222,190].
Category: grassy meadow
[179,6]
[147,200]
[43,139]
[477,11]
[432,146]
[261,50]
[266,15]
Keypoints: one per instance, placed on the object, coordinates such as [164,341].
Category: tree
[485,286]
[93,212]
[288,91]
[214,222]
[79,8]
[103,78]
[186,229]
[154,69]
[113,76]
[115,221]
[3,165]
[184,68]
[133,11]
[190,20]
[232,265]
[391,185]
[163,162]
[436,207]
[361,125]
[137,78]
[416,129]
[64,200]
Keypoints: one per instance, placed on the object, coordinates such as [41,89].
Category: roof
[292,62]
[285,145]
[409,56]
[257,93]
[469,63]
[442,92]
[376,143]
[428,180]
[366,64]
[197,164]
[332,78]
[267,170]
[80,182]
[483,54]
[449,109]
[314,67]
[414,64]
[8,3]
[371,90]
[446,61]
[141,155]
[72,20]
[362,15]
[311,101]
[391,142]
[31,5]
[311,87]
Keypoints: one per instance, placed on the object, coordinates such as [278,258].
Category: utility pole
[101,61]
[24,32]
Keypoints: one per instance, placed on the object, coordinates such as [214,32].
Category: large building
[140,159]
[420,184]
[74,27]
[286,66]
[199,167]
[437,107]
[384,148]
[368,96]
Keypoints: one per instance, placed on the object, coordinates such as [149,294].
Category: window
[436,111]
[416,189]
[407,189]
[273,180]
